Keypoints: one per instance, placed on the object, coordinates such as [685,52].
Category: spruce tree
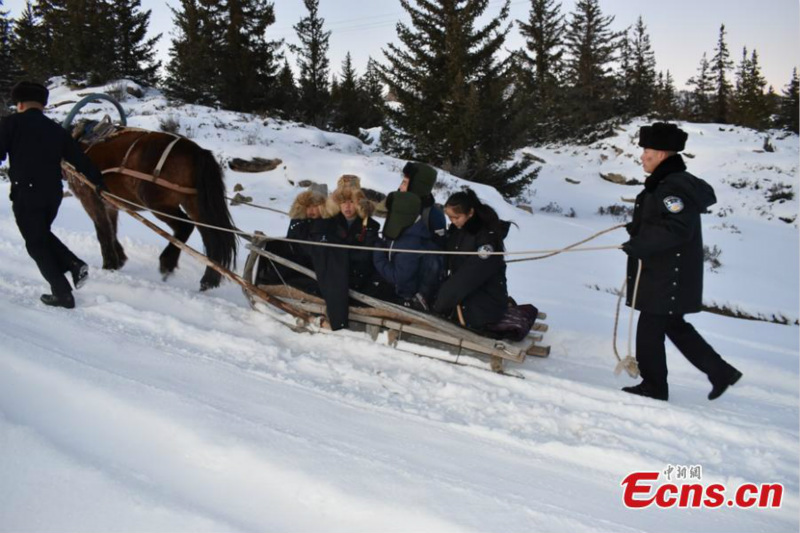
[347,102]
[313,64]
[750,103]
[31,45]
[665,103]
[134,53]
[720,65]
[700,108]
[193,70]
[371,94]
[591,48]
[9,71]
[286,96]
[248,60]
[457,107]
[540,67]
[642,72]
[789,113]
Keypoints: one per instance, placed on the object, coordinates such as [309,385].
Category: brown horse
[191,188]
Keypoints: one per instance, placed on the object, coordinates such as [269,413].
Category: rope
[571,246]
[628,364]
[250,236]
[237,200]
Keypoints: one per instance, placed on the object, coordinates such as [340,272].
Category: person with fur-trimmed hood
[307,208]
[352,224]
[667,237]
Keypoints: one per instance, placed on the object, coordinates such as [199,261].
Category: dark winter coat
[35,146]
[404,270]
[666,234]
[357,233]
[479,285]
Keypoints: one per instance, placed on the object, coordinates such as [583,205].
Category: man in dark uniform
[666,236]
[35,146]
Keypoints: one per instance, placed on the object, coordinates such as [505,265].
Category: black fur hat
[28,91]
[663,136]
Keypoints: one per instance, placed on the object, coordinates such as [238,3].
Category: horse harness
[155,176]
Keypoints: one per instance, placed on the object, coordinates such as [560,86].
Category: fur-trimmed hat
[307,199]
[28,91]
[364,207]
[349,180]
[663,136]
[421,178]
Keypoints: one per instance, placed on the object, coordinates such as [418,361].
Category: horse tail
[220,246]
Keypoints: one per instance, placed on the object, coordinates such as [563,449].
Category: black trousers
[652,357]
[51,255]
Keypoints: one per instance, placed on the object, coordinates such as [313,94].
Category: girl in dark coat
[476,284]
[352,223]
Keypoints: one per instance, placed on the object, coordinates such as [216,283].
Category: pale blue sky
[680,30]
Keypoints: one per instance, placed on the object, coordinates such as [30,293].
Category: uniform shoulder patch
[673,204]
[485,251]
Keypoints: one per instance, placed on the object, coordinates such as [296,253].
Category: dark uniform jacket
[666,235]
[36,145]
[479,285]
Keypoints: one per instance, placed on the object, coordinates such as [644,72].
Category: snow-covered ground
[153,407]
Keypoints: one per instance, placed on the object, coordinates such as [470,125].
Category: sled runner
[401,325]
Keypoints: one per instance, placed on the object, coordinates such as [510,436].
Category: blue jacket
[402,270]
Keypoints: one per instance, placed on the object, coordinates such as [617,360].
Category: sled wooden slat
[378,315]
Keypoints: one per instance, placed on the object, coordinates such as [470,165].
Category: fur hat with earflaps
[421,178]
[364,207]
[404,210]
[28,91]
[663,136]
[349,180]
[308,199]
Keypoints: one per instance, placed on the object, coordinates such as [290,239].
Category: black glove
[629,228]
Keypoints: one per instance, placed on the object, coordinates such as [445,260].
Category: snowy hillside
[153,407]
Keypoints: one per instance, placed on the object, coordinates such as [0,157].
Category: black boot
[80,275]
[643,389]
[65,300]
[720,387]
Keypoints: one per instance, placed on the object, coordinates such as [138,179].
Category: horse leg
[113,217]
[211,278]
[105,230]
[181,230]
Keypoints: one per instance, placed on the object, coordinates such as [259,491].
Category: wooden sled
[402,325]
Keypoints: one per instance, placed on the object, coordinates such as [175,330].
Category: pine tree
[134,53]
[457,107]
[371,94]
[31,43]
[789,113]
[248,61]
[9,71]
[346,101]
[592,48]
[700,109]
[750,102]
[193,70]
[286,96]
[312,61]
[665,103]
[642,72]
[540,67]
[720,65]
